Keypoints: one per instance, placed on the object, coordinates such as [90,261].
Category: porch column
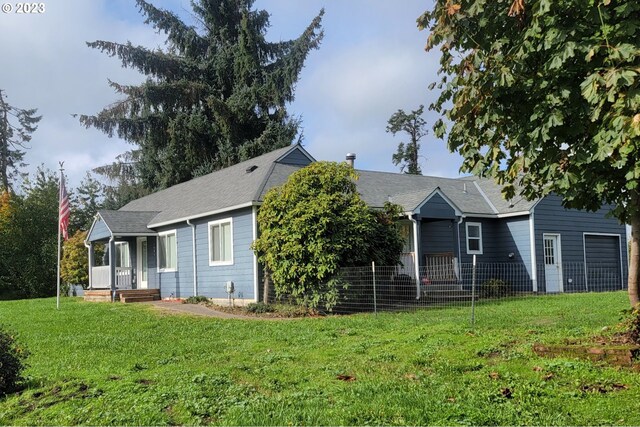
[416,251]
[112,264]
[91,264]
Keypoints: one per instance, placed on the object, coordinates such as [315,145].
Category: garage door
[603,265]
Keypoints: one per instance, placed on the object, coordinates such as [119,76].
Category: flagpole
[59,237]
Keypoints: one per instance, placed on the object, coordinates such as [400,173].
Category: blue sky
[370,64]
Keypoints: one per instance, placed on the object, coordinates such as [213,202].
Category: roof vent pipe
[351,157]
[464,187]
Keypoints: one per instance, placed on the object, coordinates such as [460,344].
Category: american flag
[64,211]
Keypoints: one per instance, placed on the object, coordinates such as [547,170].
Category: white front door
[142,263]
[552,262]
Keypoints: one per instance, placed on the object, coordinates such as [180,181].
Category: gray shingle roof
[246,183]
[410,191]
[127,222]
[494,193]
[217,191]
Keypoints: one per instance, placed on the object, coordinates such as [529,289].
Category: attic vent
[251,168]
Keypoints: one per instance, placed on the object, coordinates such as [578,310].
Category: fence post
[473,294]
[375,300]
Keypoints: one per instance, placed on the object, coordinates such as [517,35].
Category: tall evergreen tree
[407,155]
[16,127]
[215,96]
[123,181]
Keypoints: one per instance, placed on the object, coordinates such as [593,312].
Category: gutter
[195,265]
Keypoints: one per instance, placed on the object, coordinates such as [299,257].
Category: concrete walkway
[196,310]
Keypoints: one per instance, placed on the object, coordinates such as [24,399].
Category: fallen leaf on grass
[411,377]
[548,376]
[494,375]
[451,399]
[342,377]
[537,368]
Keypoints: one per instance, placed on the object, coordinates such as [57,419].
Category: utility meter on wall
[229,287]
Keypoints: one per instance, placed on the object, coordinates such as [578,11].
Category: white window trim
[119,254]
[229,221]
[474,224]
[160,235]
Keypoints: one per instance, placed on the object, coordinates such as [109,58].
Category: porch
[100,277]
[122,295]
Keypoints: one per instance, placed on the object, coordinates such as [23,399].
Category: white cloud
[370,64]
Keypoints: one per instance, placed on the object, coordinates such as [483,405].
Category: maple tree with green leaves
[544,96]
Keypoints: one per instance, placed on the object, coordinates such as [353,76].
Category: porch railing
[100,277]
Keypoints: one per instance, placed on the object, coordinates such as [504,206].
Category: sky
[370,64]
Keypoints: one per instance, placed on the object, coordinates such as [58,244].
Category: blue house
[194,238]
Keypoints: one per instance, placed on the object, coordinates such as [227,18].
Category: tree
[545,97]
[28,242]
[316,223]
[16,127]
[123,181]
[415,126]
[74,266]
[217,95]
[87,200]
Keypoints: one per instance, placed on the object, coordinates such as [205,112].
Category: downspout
[416,264]
[195,265]
[459,248]
[534,267]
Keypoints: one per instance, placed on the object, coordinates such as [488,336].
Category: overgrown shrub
[12,357]
[260,307]
[494,288]
[196,299]
[631,323]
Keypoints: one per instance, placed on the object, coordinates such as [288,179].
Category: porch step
[97,296]
[137,292]
[449,294]
[140,298]
[124,295]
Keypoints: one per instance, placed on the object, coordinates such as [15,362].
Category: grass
[117,364]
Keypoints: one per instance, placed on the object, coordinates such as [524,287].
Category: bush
[12,357]
[260,307]
[494,288]
[196,299]
[631,324]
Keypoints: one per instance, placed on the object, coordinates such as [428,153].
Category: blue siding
[179,283]
[99,231]
[437,207]
[514,235]
[295,157]
[501,237]
[438,237]
[490,241]
[571,224]
[212,279]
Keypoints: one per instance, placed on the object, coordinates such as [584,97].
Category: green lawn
[116,364]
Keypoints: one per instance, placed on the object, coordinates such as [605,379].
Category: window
[221,242]
[122,255]
[167,251]
[474,238]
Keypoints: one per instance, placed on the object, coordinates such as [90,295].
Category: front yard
[116,364]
